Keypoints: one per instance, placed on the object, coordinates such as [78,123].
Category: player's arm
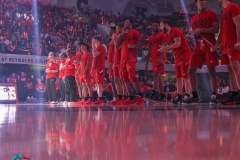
[119,41]
[175,45]
[236,21]
[213,29]
[87,66]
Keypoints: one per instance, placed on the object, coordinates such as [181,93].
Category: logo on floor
[19,156]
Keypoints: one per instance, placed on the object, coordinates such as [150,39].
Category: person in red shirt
[176,42]
[78,74]
[98,67]
[69,78]
[121,89]
[128,40]
[40,90]
[158,60]
[205,25]
[110,60]
[51,70]
[86,64]
[229,39]
[61,75]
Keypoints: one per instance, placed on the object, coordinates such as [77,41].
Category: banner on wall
[23,59]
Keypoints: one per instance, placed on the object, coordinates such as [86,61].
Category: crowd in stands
[62,28]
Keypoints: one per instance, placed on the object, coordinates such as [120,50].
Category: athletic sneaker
[98,101]
[122,101]
[48,102]
[213,100]
[128,102]
[231,99]
[140,100]
[114,102]
[82,101]
[89,102]
[191,99]
[151,97]
[177,100]
[65,103]
[53,102]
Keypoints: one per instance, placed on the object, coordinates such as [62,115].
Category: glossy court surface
[48,132]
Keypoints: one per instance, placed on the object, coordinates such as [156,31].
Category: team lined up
[87,69]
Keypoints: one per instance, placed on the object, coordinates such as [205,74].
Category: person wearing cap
[98,67]
[51,70]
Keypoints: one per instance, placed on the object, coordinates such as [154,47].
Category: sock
[179,96]
[120,96]
[194,93]
[140,94]
[131,97]
[214,93]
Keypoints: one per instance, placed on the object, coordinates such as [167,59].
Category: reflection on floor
[42,132]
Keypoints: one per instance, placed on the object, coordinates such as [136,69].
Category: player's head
[50,55]
[221,3]
[165,25]
[201,4]
[62,56]
[96,40]
[112,30]
[156,26]
[84,47]
[70,52]
[128,24]
[119,28]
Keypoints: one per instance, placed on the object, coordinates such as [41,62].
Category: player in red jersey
[69,78]
[78,74]
[110,60]
[128,41]
[51,70]
[229,38]
[177,43]
[158,60]
[61,62]
[98,67]
[86,64]
[205,25]
[121,89]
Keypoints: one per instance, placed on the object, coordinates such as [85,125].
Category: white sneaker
[65,103]
[53,102]
[28,97]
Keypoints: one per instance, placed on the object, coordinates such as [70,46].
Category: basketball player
[61,74]
[182,53]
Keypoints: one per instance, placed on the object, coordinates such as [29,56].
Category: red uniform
[229,35]
[61,73]
[129,56]
[77,69]
[84,59]
[202,51]
[111,51]
[41,87]
[154,42]
[70,67]
[117,61]
[98,67]
[182,54]
[51,66]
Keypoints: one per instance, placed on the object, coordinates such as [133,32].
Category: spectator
[41,91]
